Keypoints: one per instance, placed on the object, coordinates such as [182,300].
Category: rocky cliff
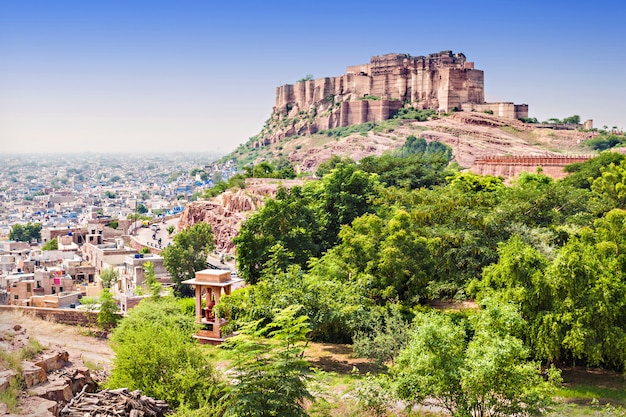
[226,212]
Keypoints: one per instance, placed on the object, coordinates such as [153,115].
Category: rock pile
[119,403]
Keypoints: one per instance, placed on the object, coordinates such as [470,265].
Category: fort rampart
[511,166]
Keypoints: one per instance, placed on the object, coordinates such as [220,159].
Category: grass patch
[10,397]
[589,393]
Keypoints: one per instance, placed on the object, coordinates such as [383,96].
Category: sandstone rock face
[226,212]
[33,375]
[53,361]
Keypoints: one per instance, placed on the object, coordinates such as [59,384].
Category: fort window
[29,287]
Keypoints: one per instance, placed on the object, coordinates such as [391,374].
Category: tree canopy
[188,254]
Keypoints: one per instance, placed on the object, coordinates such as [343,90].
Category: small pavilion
[209,285]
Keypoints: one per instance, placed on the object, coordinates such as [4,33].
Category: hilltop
[374,107]
[471,135]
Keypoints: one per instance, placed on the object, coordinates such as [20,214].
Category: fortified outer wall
[506,110]
[511,166]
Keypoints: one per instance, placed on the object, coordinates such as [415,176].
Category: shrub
[155,353]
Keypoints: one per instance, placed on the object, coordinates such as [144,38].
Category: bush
[155,353]
[52,244]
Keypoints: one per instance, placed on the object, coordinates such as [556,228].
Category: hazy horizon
[161,77]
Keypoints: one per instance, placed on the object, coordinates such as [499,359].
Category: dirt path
[93,352]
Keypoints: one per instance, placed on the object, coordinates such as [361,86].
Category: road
[148,236]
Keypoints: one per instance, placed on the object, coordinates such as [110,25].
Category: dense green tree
[389,259]
[155,353]
[342,195]
[587,320]
[610,186]
[188,254]
[574,304]
[326,166]
[582,174]
[288,221]
[471,369]
[334,309]
[572,120]
[141,208]
[25,232]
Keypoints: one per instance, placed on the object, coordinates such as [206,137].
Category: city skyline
[192,76]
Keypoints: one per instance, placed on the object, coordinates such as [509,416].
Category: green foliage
[283,169]
[151,281]
[145,250]
[389,258]
[25,233]
[572,120]
[113,224]
[269,369]
[141,208]
[304,222]
[388,335]
[610,186]
[155,353]
[605,141]
[471,368]
[108,277]
[52,244]
[415,165]
[287,223]
[334,309]
[237,181]
[529,119]
[307,77]
[107,315]
[188,254]
[343,195]
[342,132]
[582,174]
[330,164]
[574,303]
[170,229]
[369,97]
[411,113]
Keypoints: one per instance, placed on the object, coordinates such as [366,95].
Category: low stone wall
[57,315]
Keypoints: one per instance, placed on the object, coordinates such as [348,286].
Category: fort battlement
[511,166]
[373,92]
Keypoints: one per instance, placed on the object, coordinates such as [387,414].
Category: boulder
[53,361]
[33,374]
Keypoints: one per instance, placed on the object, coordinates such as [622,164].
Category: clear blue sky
[201,76]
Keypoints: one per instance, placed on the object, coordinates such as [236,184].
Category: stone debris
[119,403]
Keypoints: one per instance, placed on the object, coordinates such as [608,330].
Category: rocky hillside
[471,135]
[227,211]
